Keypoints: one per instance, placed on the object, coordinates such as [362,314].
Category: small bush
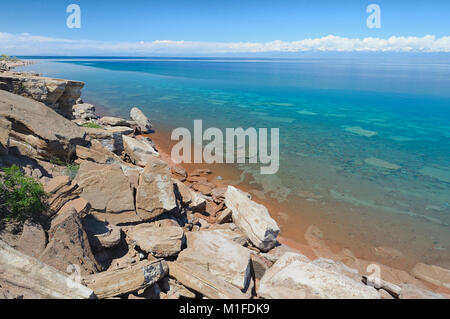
[91,125]
[72,170]
[20,196]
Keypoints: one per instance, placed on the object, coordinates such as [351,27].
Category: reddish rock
[33,239]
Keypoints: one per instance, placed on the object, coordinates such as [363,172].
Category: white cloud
[27,44]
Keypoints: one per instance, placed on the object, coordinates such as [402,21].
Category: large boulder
[118,282]
[409,291]
[220,256]
[253,219]
[204,282]
[163,241]
[108,191]
[57,94]
[141,120]
[109,137]
[29,278]
[155,193]
[84,111]
[39,129]
[189,198]
[115,121]
[294,277]
[140,151]
[69,245]
[101,235]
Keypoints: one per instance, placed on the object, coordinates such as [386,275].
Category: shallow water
[370,135]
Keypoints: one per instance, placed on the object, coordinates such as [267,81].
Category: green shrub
[91,125]
[72,170]
[20,196]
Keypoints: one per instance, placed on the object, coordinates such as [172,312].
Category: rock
[81,206]
[218,194]
[33,239]
[60,95]
[97,153]
[201,171]
[413,292]
[69,245]
[101,235]
[234,235]
[433,274]
[5,129]
[381,284]
[277,252]
[253,219]
[155,193]
[293,278]
[108,191]
[179,173]
[188,197]
[152,292]
[260,265]
[122,281]
[60,190]
[141,120]
[114,121]
[214,253]
[163,241]
[176,291]
[204,282]
[339,268]
[140,152]
[32,279]
[109,137]
[203,187]
[38,129]
[84,111]
[224,216]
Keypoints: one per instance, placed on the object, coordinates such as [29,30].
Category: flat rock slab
[165,241]
[253,219]
[108,191]
[34,279]
[33,239]
[205,283]
[293,278]
[222,257]
[122,281]
[101,235]
[155,194]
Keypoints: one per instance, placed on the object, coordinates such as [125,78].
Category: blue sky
[207,21]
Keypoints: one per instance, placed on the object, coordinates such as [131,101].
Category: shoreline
[293,237]
[310,241]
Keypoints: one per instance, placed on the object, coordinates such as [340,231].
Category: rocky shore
[120,222]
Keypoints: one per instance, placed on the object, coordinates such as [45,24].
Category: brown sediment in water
[297,215]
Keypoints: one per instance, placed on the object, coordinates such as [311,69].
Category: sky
[146,27]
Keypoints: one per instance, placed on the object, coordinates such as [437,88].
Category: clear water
[324,109]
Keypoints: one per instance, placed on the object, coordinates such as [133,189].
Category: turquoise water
[369,133]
